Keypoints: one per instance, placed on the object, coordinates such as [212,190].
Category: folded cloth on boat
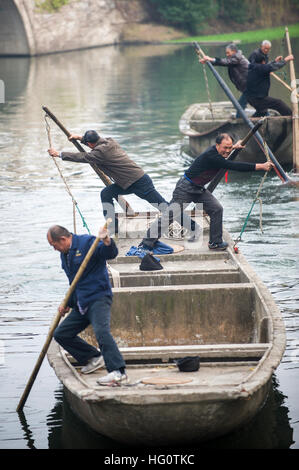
[138,251]
[161,248]
[158,249]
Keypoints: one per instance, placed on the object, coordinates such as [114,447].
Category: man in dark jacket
[90,303]
[190,188]
[237,69]
[258,85]
[128,177]
[263,50]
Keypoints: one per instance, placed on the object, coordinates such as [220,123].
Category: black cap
[90,137]
[188,363]
[150,263]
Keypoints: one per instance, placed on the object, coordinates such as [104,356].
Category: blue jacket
[94,281]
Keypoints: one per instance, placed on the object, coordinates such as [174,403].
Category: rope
[208,90]
[75,204]
[256,198]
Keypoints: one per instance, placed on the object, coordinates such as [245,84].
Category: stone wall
[28,30]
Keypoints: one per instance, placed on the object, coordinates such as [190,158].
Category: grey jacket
[111,159]
[237,69]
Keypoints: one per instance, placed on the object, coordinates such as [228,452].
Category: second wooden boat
[201,125]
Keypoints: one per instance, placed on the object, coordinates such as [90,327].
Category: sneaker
[218,246]
[93,364]
[113,378]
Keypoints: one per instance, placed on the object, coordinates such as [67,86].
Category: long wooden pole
[57,318]
[121,200]
[279,170]
[217,178]
[294,101]
[283,82]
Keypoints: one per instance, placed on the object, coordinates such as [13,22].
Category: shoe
[96,362]
[194,236]
[113,378]
[218,246]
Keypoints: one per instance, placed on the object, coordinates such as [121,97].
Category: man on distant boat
[191,188]
[237,70]
[128,177]
[263,50]
[90,303]
[258,85]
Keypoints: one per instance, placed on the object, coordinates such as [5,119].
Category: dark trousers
[98,315]
[143,188]
[242,103]
[262,104]
[184,193]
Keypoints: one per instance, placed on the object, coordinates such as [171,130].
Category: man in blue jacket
[90,303]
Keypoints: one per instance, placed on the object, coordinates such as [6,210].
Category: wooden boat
[203,303]
[202,124]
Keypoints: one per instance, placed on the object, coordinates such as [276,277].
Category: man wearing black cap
[128,177]
[258,85]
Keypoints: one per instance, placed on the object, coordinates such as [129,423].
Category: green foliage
[186,14]
[234,10]
[50,5]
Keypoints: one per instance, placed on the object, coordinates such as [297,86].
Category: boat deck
[221,366]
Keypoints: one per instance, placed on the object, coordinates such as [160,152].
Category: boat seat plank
[169,288]
[177,267]
[204,351]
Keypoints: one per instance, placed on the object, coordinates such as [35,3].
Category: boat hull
[217,309]
[177,423]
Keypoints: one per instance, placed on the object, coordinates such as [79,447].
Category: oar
[233,155]
[121,200]
[279,170]
[57,318]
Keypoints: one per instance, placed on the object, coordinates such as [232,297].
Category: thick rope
[75,204]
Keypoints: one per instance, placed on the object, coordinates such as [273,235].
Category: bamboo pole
[277,167]
[57,318]
[294,101]
[283,82]
[121,200]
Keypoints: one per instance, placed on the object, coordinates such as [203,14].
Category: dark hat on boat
[150,263]
[90,137]
[188,363]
